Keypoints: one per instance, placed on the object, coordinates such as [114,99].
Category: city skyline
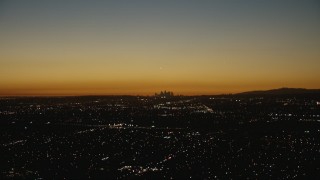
[138,48]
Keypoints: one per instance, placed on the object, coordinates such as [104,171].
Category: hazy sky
[141,47]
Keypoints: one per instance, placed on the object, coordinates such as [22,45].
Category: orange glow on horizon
[140,48]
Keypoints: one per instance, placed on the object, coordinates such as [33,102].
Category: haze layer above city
[62,48]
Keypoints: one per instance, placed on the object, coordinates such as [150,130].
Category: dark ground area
[127,137]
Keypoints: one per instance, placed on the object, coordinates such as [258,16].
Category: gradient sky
[134,47]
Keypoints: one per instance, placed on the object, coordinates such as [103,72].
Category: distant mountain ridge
[282,91]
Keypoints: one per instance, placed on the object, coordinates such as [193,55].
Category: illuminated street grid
[222,137]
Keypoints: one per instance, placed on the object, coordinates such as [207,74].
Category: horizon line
[144,95]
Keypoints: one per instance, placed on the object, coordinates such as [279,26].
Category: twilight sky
[77,47]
